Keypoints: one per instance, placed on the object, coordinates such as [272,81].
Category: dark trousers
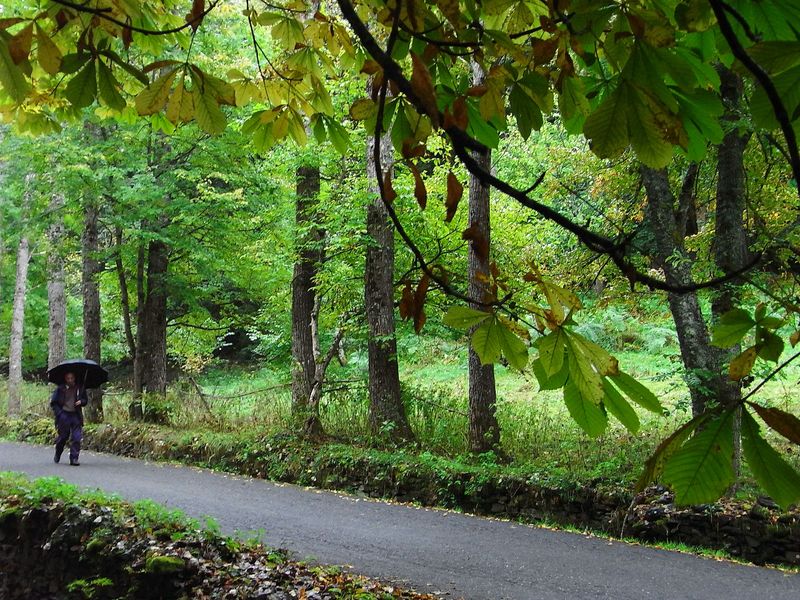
[69,426]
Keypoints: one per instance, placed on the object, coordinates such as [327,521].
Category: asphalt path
[458,555]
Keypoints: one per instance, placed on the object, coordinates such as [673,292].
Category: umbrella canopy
[87,372]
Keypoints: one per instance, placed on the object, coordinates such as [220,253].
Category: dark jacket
[58,398]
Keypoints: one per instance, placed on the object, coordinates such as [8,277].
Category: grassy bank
[91,545]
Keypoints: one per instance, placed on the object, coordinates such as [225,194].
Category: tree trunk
[56,292]
[18,310]
[699,358]
[155,320]
[387,416]
[17,329]
[91,302]
[124,298]
[730,239]
[484,430]
[135,408]
[150,361]
[309,257]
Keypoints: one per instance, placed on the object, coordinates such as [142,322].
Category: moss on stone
[163,564]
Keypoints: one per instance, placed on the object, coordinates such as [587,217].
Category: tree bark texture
[484,430]
[124,296]
[699,360]
[387,415]
[135,408]
[17,329]
[309,256]
[730,239]
[91,268]
[150,362]
[56,289]
[154,349]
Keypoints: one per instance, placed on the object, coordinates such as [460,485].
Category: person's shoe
[57,457]
[74,463]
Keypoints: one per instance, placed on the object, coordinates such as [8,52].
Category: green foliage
[776,476]
[702,469]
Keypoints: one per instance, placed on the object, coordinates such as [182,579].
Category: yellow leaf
[180,107]
[742,365]
[362,109]
[48,53]
[152,99]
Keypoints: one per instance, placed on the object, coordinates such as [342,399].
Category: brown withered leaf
[62,19]
[476,91]
[371,67]
[784,423]
[411,149]
[794,338]
[19,46]
[454,193]
[388,189]
[422,84]
[544,50]
[457,115]
[430,52]
[10,22]
[195,16]
[479,243]
[127,37]
[407,302]
[420,193]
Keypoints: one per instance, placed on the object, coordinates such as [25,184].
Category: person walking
[67,402]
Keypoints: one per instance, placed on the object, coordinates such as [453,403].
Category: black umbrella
[87,372]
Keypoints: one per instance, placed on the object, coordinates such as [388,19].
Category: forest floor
[431,550]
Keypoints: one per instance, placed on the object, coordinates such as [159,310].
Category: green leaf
[546,382]
[654,130]
[480,129]
[775,56]
[770,345]
[654,466]
[620,408]
[637,392]
[338,135]
[486,342]
[463,317]
[582,373]
[208,114]
[732,327]
[82,89]
[607,127]
[784,423]
[514,349]
[527,113]
[551,351]
[107,85]
[11,77]
[702,469]
[771,471]
[588,414]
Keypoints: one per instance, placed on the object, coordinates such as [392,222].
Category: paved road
[429,550]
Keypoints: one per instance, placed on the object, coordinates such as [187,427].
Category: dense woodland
[593,203]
